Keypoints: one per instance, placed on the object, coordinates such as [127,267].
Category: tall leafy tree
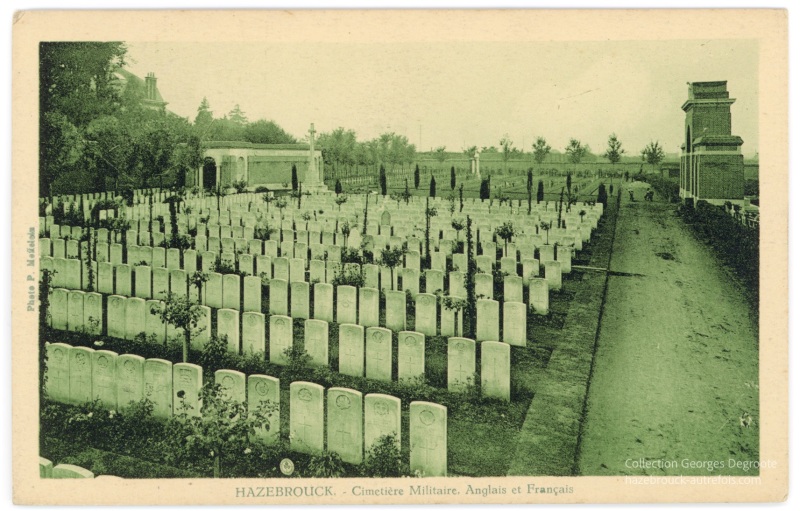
[295,183]
[440,154]
[452,177]
[203,119]
[576,151]
[539,192]
[540,150]
[382,180]
[653,154]
[432,190]
[264,131]
[416,177]
[507,146]
[614,151]
[236,116]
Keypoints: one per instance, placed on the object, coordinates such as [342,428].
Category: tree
[602,196]
[440,154]
[452,177]
[506,144]
[382,180]
[392,258]
[485,191]
[295,183]
[432,189]
[545,226]
[470,311]
[529,187]
[223,424]
[458,226]
[539,192]
[237,117]
[203,119]
[576,151]
[505,232]
[182,314]
[429,213]
[540,150]
[337,188]
[461,198]
[264,131]
[653,154]
[416,177]
[614,152]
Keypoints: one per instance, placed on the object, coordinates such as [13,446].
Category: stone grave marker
[153,326]
[316,341]
[253,334]
[104,378]
[484,285]
[410,355]
[58,371]
[264,266]
[231,291]
[116,322]
[368,306]
[279,297]
[306,409]
[345,430]
[142,282]
[379,354]
[434,280]
[75,310]
[496,370]
[323,301]
[265,390]
[512,289]
[178,282]
[67,471]
[346,305]
[300,300]
[456,283]
[232,384]
[488,320]
[160,283]
[428,433]
[552,274]
[135,317]
[381,418]
[395,310]
[187,380]
[203,332]
[252,294]
[130,379]
[80,374]
[539,296]
[351,349]
[515,323]
[426,314]
[105,278]
[228,325]
[460,363]
[281,338]
[93,313]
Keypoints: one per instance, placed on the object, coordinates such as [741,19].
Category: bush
[240,186]
[667,188]
[328,464]
[262,189]
[384,459]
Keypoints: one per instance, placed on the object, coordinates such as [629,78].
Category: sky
[459,94]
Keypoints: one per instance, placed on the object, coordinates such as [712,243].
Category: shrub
[326,465]
[384,459]
[262,189]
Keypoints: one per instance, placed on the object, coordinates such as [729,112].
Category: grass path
[676,369]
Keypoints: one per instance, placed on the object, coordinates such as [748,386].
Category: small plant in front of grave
[142,263]
[582,214]
[306,216]
[326,465]
[263,232]
[262,189]
[214,355]
[384,459]
[458,226]
[505,231]
[545,226]
[340,199]
[345,229]
[182,314]
[451,199]
[240,186]
[223,425]
[392,258]
[197,279]
[297,363]
[348,276]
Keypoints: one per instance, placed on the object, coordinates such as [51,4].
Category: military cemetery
[431,314]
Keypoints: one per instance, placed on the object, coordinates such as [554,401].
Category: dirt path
[676,370]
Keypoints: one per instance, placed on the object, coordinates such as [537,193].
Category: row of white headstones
[363,351]
[352,424]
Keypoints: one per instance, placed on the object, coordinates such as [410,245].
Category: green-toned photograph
[399,262]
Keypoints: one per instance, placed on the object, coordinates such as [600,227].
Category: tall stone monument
[712,165]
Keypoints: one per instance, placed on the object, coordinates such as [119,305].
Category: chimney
[150,86]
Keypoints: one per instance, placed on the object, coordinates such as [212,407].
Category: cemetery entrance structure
[257,165]
[712,164]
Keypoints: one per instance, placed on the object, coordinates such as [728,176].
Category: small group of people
[648,195]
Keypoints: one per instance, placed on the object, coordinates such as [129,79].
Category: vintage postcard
[400,257]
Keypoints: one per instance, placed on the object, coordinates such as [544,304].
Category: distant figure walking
[630,192]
